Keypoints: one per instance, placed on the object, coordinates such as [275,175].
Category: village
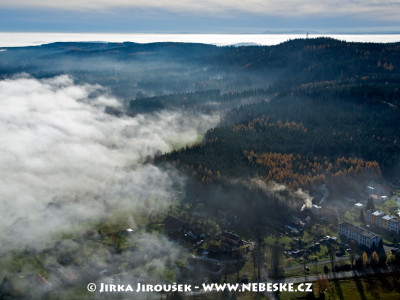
[330,237]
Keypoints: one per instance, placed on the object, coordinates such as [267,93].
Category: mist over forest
[103,143]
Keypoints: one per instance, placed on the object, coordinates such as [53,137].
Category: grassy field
[389,206]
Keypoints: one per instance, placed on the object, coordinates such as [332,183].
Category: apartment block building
[360,235]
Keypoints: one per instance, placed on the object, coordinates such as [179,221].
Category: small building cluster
[382,220]
[378,193]
[361,236]
[231,238]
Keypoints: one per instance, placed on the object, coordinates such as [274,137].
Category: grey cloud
[225,8]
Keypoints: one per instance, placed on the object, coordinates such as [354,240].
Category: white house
[359,205]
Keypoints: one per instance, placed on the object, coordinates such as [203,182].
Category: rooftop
[387,217]
[359,230]
[378,213]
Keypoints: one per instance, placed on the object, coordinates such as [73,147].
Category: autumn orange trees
[295,171]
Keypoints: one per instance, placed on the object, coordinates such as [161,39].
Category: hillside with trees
[292,113]
[327,122]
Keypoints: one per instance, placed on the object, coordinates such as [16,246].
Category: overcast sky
[197,16]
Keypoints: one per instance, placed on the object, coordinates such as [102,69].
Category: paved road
[310,279]
[322,262]
[313,278]
[337,275]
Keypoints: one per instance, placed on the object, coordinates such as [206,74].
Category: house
[359,206]
[374,218]
[360,235]
[385,221]
[376,198]
[394,225]
[379,215]
[230,238]
[378,190]
[370,189]
[315,247]
[293,230]
[298,252]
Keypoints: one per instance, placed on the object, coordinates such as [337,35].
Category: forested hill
[304,112]
[141,70]
[333,116]
[298,140]
[322,58]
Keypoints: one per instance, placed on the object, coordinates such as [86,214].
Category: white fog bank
[64,161]
[22,39]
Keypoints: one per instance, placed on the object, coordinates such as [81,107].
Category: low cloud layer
[65,162]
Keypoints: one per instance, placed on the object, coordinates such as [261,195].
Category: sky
[206,16]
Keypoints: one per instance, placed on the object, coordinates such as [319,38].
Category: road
[309,279]
[336,275]
[322,262]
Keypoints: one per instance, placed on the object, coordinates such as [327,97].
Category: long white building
[360,235]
